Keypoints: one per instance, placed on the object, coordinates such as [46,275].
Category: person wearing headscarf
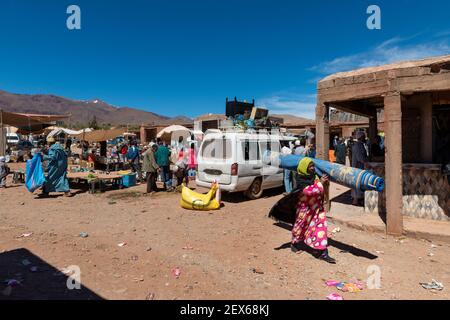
[56,179]
[4,171]
[310,225]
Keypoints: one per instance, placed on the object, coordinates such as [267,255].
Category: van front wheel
[255,191]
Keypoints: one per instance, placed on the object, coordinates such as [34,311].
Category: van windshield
[217,149]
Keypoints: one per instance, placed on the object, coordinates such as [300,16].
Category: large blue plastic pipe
[350,177]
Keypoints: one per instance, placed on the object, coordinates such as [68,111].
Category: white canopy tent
[57,131]
[173,133]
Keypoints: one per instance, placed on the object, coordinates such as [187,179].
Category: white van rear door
[215,160]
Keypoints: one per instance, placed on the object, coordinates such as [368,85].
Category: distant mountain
[293,120]
[83,111]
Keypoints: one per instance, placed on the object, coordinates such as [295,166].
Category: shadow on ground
[344,198]
[238,197]
[343,247]
[43,283]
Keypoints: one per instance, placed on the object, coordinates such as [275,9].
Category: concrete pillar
[322,131]
[393,163]
[426,128]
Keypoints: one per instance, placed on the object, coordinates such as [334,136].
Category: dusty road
[217,252]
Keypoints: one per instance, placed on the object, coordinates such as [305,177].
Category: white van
[234,159]
[12,138]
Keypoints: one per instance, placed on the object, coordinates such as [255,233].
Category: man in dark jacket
[340,152]
[359,159]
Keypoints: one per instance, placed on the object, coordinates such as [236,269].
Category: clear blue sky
[185,57]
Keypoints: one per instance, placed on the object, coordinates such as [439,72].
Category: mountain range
[81,111]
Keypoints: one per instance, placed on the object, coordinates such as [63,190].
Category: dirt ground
[236,252]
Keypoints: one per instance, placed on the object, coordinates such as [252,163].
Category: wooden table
[18,176]
[97,183]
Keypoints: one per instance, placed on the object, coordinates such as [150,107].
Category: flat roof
[428,62]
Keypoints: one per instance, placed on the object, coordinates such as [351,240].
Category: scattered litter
[433,285]
[26,262]
[334,296]
[257,270]
[138,279]
[150,296]
[352,286]
[25,235]
[34,269]
[176,272]
[431,254]
[336,230]
[332,283]
[379,252]
[83,234]
[188,247]
[349,287]
[434,246]
[122,244]
[134,258]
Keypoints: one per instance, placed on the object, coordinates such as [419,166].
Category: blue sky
[185,57]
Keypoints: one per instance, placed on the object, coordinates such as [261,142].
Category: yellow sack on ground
[197,201]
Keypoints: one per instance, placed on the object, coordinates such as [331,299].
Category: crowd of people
[358,148]
[171,164]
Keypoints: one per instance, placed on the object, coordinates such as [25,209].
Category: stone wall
[426,192]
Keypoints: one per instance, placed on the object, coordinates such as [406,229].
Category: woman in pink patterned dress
[311,223]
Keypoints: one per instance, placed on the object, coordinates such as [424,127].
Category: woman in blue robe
[56,179]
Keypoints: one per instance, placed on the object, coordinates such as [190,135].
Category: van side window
[250,150]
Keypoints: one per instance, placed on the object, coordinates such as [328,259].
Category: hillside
[82,111]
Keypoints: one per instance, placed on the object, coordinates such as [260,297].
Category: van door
[215,160]
[250,158]
[273,177]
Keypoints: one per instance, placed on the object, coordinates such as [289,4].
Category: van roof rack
[236,129]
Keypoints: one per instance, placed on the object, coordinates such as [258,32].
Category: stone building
[415,99]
